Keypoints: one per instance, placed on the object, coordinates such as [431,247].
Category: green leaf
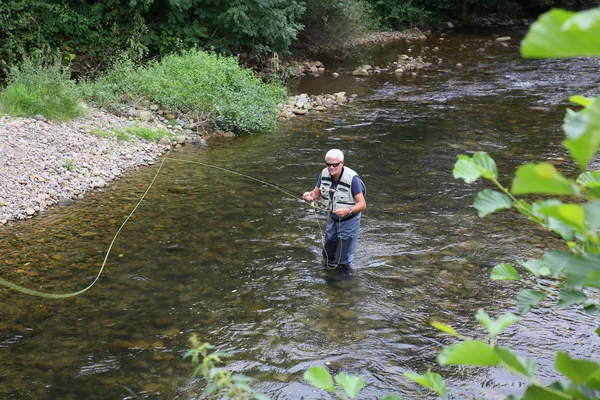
[533,265]
[572,215]
[582,101]
[495,327]
[592,309]
[556,261]
[583,132]
[444,328]
[391,397]
[469,352]
[583,270]
[578,371]
[538,393]
[467,170]
[471,169]
[592,215]
[430,380]
[489,201]
[487,165]
[569,297]
[504,272]
[352,385]
[517,364]
[541,178]
[527,299]
[559,33]
[565,231]
[319,377]
[589,179]
[583,21]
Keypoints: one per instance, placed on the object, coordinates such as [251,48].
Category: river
[238,262]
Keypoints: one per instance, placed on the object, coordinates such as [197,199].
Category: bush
[41,86]
[199,84]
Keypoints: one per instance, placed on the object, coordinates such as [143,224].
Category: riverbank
[45,164]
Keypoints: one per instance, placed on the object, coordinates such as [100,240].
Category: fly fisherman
[342,192]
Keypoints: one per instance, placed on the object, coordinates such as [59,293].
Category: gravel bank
[44,163]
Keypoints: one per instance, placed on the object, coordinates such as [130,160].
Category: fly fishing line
[46,295]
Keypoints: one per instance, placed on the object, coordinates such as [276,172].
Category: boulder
[360,72]
[146,116]
[503,39]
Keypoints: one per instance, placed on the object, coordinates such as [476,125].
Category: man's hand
[307,196]
[341,212]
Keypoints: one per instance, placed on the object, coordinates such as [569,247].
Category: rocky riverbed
[45,163]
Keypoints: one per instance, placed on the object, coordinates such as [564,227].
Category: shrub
[199,84]
[41,86]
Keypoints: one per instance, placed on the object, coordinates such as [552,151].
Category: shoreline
[46,163]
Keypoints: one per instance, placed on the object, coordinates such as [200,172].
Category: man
[342,192]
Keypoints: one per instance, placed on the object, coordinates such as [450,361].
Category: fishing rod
[47,295]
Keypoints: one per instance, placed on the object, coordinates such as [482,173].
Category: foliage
[220,382]
[197,83]
[144,132]
[90,32]
[40,85]
[568,276]
[334,23]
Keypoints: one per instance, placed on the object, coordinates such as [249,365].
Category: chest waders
[334,197]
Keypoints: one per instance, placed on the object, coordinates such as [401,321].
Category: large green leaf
[352,385]
[583,132]
[541,178]
[466,170]
[504,272]
[319,377]
[471,169]
[559,33]
[469,352]
[430,380]
[536,267]
[583,270]
[391,397]
[495,326]
[578,371]
[572,215]
[589,179]
[515,363]
[489,201]
[527,299]
[556,261]
[569,297]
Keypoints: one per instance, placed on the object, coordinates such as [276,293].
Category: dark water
[237,262]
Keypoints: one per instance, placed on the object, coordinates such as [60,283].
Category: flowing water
[238,263]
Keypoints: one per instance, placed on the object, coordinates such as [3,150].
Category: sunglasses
[334,165]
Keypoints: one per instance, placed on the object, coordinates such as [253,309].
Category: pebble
[45,163]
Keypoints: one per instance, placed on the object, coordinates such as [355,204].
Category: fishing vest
[342,194]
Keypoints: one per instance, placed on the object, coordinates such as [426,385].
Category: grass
[149,134]
[38,86]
